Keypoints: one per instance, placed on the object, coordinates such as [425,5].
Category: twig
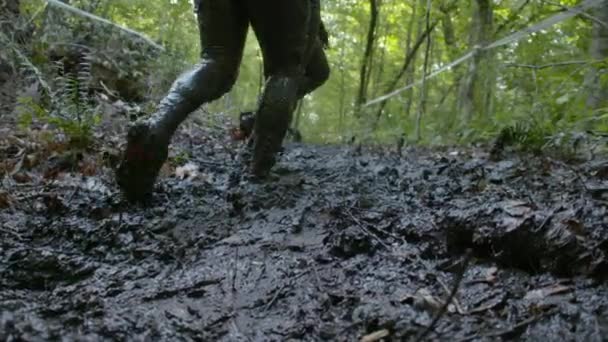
[582,13]
[545,66]
[383,231]
[546,220]
[235,270]
[82,13]
[236,328]
[330,177]
[375,336]
[454,300]
[360,225]
[262,273]
[12,232]
[317,278]
[276,295]
[465,263]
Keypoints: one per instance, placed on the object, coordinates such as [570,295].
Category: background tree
[597,80]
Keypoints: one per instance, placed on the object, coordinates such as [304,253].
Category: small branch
[545,66]
[82,13]
[582,13]
[235,269]
[465,264]
[280,290]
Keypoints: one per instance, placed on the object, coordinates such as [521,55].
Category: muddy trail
[341,245]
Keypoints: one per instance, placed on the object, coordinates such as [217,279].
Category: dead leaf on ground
[516,208]
[495,299]
[491,275]
[189,171]
[166,170]
[5,200]
[18,166]
[89,167]
[54,203]
[423,299]
[517,212]
[31,160]
[22,177]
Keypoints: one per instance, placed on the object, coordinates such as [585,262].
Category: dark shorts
[287,31]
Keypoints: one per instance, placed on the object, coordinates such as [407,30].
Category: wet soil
[340,245]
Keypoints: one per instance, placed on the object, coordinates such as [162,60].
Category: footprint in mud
[350,242]
[42,269]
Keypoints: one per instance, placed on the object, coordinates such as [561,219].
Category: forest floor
[340,245]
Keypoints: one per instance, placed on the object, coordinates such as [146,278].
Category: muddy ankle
[151,131]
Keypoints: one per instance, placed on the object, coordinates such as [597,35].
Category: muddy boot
[266,144]
[246,123]
[146,152]
[271,123]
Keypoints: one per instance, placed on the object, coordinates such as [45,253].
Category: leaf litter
[340,245]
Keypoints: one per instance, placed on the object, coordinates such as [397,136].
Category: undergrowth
[573,142]
[67,104]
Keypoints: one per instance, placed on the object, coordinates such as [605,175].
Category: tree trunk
[298,115]
[423,88]
[342,102]
[597,78]
[367,57]
[477,85]
[450,40]
[411,73]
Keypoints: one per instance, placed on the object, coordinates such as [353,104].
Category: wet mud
[340,245]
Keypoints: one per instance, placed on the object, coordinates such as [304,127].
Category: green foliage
[69,107]
[536,86]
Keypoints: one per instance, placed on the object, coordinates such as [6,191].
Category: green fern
[68,105]
[524,135]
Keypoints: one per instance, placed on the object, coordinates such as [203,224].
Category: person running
[292,39]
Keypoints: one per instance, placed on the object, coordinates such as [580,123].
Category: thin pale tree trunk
[477,84]
[367,57]
[597,90]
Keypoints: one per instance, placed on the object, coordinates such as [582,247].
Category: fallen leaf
[491,275]
[516,208]
[188,171]
[18,166]
[31,160]
[166,170]
[93,184]
[22,177]
[54,203]
[88,167]
[5,200]
[424,300]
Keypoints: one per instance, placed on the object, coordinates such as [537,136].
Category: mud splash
[340,246]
